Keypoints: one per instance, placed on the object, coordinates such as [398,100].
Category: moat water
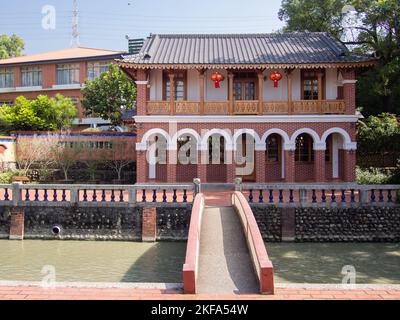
[96,261]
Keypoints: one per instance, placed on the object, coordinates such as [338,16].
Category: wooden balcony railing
[247,107]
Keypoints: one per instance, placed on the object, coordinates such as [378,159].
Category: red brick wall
[186,173]
[304,171]
[17,224]
[149,224]
[273,172]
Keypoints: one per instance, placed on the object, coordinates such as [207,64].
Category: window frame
[101,64]
[298,157]
[305,77]
[166,84]
[279,149]
[62,67]
[31,70]
[243,78]
[4,71]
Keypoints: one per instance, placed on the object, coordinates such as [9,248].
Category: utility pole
[75,24]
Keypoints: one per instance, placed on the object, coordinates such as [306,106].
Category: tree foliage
[109,95]
[378,34]
[10,46]
[313,16]
[40,114]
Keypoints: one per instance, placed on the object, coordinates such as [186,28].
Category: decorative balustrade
[216,107]
[99,195]
[276,107]
[320,195]
[187,107]
[158,107]
[248,107]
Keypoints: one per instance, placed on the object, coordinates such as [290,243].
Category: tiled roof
[66,54]
[278,48]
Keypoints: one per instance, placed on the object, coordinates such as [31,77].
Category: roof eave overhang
[348,65]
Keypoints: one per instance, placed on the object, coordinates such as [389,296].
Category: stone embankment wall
[336,224]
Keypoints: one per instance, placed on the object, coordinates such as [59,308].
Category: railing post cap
[196,181]
[238,180]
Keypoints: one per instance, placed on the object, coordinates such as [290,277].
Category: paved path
[314,293]
[224,266]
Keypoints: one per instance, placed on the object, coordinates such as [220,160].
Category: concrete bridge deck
[225,265]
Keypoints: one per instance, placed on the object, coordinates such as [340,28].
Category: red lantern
[217,78]
[276,77]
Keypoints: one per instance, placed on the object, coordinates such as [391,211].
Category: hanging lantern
[276,77]
[217,78]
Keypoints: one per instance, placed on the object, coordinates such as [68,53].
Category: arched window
[328,151]
[273,148]
[304,148]
[187,151]
[216,150]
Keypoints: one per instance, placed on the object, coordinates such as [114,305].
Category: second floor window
[31,76]
[67,74]
[310,85]
[95,69]
[244,90]
[6,78]
[180,86]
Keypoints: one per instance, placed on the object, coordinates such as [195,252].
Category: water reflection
[89,261]
[377,263]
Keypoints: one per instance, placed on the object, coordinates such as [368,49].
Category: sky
[106,23]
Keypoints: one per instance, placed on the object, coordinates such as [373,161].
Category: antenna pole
[75,23]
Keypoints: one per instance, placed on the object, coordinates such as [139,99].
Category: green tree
[313,16]
[40,114]
[109,95]
[10,46]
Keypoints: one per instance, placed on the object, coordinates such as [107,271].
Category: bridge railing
[255,243]
[18,194]
[340,194]
[190,268]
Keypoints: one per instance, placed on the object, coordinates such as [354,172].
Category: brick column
[171,168]
[349,161]
[230,167]
[202,166]
[260,166]
[141,87]
[141,167]
[349,90]
[290,166]
[319,165]
[149,224]
[17,224]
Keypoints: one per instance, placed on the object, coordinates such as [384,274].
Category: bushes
[8,176]
[377,176]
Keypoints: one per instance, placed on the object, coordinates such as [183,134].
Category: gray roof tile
[278,48]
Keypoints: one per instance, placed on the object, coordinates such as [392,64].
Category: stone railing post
[16,193]
[364,196]
[303,197]
[132,195]
[238,184]
[197,187]
[74,195]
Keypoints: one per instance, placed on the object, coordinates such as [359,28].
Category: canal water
[96,261]
[374,263]
[92,261]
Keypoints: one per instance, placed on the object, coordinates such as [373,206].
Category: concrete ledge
[190,268]
[258,253]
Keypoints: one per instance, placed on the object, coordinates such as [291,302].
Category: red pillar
[260,166]
[290,166]
[202,166]
[349,90]
[319,166]
[141,91]
[171,168]
[17,224]
[149,224]
[141,167]
[349,162]
[230,166]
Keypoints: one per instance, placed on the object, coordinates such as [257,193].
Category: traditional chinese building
[291,96]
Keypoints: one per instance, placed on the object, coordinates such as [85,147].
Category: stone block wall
[336,224]
[173,223]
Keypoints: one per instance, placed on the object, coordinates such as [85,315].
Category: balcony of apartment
[247,96]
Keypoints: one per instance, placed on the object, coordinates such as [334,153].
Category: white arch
[189,132]
[156,131]
[250,132]
[309,131]
[280,132]
[345,135]
[221,132]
